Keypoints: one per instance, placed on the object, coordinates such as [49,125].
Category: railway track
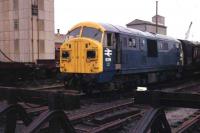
[187,124]
[112,113]
[97,118]
[107,118]
[191,121]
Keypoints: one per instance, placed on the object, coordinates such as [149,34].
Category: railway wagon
[97,54]
[191,55]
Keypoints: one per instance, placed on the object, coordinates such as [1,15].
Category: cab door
[109,52]
[118,49]
[88,56]
[68,56]
[75,56]
[80,54]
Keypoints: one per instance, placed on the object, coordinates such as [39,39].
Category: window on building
[35,2]
[35,10]
[152,50]
[41,25]
[41,46]
[15,4]
[41,4]
[16,24]
[16,46]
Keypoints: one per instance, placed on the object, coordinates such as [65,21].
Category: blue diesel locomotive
[103,55]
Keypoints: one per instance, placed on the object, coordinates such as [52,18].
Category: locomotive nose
[81,56]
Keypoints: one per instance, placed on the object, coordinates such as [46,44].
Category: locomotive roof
[130,31]
[120,29]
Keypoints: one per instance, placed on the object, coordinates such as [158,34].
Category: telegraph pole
[156,16]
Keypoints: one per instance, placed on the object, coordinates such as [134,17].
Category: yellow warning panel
[81,55]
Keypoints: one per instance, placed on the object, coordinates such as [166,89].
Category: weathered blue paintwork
[135,59]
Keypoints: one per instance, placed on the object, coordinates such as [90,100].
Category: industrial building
[26,30]
[59,39]
[150,26]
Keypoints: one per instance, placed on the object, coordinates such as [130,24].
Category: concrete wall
[151,28]
[25,37]
[161,19]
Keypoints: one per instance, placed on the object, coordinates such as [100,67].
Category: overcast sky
[178,13]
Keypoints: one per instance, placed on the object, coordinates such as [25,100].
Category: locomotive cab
[82,50]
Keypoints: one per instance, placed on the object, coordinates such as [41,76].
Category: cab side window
[109,39]
[132,42]
[163,45]
[142,43]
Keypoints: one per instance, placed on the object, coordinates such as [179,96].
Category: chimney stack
[58,31]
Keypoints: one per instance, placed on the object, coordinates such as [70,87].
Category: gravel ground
[175,115]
